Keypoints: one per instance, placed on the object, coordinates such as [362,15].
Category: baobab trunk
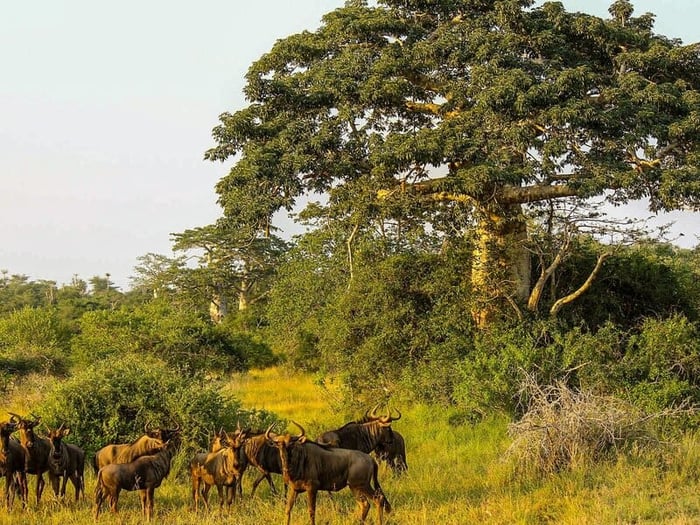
[501,263]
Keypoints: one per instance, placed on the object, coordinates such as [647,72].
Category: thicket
[397,327]
[400,327]
[115,398]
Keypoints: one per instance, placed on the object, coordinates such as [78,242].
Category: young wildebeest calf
[219,468]
[66,461]
[12,464]
[144,474]
[310,467]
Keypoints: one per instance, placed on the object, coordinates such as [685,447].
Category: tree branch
[558,305]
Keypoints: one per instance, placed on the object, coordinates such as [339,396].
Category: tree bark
[501,263]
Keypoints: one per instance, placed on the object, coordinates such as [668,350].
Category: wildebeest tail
[378,492]
[94,463]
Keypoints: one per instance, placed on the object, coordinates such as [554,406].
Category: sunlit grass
[457,475]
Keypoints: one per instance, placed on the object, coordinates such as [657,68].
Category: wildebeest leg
[76,482]
[195,492]
[9,490]
[268,477]
[143,495]
[39,487]
[291,498]
[64,482]
[220,491]
[205,495]
[362,502]
[230,491]
[148,506]
[114,500]
[311,497]
[151,502]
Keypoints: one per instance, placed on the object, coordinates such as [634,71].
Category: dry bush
[563,427]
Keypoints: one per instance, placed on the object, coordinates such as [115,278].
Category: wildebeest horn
[267,432]
[14,417]
[147,426]
[373,413]
[59,429]
[36,418]
[399,415]
[303,432]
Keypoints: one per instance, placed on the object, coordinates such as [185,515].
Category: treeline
[398,327]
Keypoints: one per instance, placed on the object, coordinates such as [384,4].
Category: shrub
[662,363]
[33,340]
[563,428]
[111,401]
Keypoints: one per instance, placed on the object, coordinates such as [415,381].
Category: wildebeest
[218,468]
[310,467]
[151,442]
[393,452]
[66,460]
[12,461]
[362,435]
[37,451]
[262,455]
[144,474]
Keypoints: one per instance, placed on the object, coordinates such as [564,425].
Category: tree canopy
[407,112]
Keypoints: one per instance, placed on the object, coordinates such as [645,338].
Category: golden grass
[456,476]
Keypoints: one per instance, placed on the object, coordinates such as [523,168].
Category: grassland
[457,475]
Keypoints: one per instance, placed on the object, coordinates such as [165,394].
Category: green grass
[457,475]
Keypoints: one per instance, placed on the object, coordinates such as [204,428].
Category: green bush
[662,363]
[112,400]
[491,375]
[33,340]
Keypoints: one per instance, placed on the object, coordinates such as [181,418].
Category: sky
[106,110]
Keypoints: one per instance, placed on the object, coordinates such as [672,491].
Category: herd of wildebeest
[338,458]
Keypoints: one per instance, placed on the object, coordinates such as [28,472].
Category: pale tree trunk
[243,295]
[218,307]
[501,264]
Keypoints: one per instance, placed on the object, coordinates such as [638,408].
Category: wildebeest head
[161,433]
[6,430]
[386,435]
[56,440]
[26,429]
[285,441]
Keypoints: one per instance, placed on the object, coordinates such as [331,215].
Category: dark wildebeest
[218,468]
[260,454]
[394,453]
[150,443]
[362,435]
[37,451]
[144,474]
[66,461]
[12,463]
[310,467]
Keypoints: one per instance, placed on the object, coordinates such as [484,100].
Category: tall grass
[457,475]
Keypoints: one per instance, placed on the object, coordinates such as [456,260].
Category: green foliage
[249,345]
[489,377]
[662,363]
[395,325]
[33,339]
[112,400]
[182,337]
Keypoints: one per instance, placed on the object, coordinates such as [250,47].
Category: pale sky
[106,110]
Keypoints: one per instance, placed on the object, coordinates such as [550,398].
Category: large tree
[490,107]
